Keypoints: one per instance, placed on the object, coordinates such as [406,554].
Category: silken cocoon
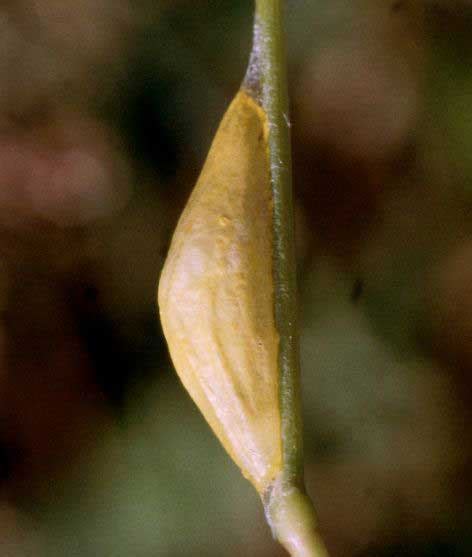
[216,295]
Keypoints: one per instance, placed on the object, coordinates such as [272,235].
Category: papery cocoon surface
[216,295]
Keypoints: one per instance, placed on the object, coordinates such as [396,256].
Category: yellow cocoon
[216,295]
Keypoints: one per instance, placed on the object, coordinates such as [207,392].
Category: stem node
[292,519]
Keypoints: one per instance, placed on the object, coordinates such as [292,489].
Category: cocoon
[216,295]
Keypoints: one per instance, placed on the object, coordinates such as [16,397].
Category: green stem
[288,510]
[270,47]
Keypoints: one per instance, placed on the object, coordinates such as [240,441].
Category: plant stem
[274,99]
[288,509]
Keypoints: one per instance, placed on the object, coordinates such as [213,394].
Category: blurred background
[107,110]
